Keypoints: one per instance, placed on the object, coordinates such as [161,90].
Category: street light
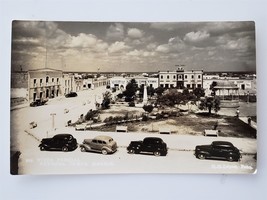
[53,120]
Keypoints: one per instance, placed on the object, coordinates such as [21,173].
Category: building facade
[44,83]
[181,79]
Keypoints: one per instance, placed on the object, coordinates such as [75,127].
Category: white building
[181,79]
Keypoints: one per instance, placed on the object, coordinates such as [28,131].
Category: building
[68,83]
[168,79]
[118,82]
[244,84]
[36,84]
[181,79]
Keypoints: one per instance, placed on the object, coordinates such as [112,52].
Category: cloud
[195,37]
[82,40]
[164,48]
[115,32]
[117,47]
[135,33]
[174,45]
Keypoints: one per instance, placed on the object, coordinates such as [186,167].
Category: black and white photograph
[93,97]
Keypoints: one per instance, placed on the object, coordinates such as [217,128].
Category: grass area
[191,124]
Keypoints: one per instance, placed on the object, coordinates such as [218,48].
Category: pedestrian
[237,113]
[249,121]
[215,125]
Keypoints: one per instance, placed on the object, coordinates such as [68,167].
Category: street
[180,157]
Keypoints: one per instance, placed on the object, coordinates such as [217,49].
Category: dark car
[38,102]
[71,94]
[152,145]
[61,142]
[218,150]
[103,144]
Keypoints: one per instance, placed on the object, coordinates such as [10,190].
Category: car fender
[85,146]
[106,148]
[203,152]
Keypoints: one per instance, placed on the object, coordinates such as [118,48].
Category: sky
[133,46]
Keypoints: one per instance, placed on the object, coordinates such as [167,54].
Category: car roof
[222,143]
[63,135]
[102,137]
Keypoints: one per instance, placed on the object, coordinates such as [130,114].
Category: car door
[216,151]
[95,144]
[147,146]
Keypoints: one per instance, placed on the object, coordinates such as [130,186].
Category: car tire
[83,149]
[42,148]
[65,149]
[104,151]
[131,151]
[157,153]
[201,156]
[230,158]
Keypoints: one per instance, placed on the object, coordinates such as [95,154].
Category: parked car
[218,150]
[102,144]
[61,142]
[152,145]
[71,94]
[38,102]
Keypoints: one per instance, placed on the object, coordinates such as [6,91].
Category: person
[215,125]
[237,112]
[249,121]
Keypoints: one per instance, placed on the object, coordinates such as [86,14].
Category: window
[52,79]
[168,76]
[57,79]
[47,79]
[188,85]
[199,77]
[192,76]
[185,76]
[180,76]
[34,81]
[199,85]
[41,81]
[161,76]
[174,77]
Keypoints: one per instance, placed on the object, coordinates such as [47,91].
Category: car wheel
[131,151]
[65,149]
[42,148]
[157,153]
[83,149]
[104,151]
[201,156]
[230,158]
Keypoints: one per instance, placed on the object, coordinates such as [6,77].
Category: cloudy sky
[129,47]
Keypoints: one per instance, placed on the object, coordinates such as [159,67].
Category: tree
[199,92]
[148,108]
[131,89]
[150,91]
[209,103]
[107,96]
[159,90]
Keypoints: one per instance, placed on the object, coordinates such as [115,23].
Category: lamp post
[53,120]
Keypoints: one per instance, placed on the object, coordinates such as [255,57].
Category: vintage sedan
[218,150]
[102,144]
[71,94]
[39,102]
[60,142]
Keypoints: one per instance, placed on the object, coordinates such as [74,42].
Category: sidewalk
[252,124]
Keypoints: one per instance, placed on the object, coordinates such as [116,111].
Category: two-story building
[181,79]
